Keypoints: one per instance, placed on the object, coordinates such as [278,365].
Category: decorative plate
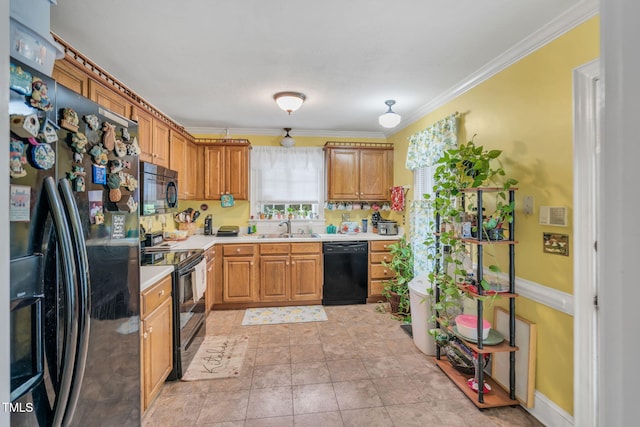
[349,227]
[43,156]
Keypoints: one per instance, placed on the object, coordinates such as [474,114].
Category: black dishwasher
[345,273]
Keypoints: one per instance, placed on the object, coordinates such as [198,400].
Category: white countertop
[199,241]
[152,274]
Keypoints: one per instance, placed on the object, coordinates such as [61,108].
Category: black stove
[188,315]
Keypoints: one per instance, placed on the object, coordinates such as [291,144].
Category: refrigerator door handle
[71,306]
[84,295]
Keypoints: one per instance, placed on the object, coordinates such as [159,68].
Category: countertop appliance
[74,274]
[208,225]
[188,316]
[154,238]
[228,231]
[387,227]
[158,189]
[345,273]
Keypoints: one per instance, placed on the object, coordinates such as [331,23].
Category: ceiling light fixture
[287,141]
[289,101]
[389,119]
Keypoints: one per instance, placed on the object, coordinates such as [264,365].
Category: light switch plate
[527,205]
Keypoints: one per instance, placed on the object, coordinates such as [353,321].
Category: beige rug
[217,357]
[276,315]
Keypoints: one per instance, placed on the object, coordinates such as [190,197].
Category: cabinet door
[239,276]
[376,171]
[237,172]
[177,159]
[342,173]
[109,99]
[306,277]
[157,336]
[71,77]
[210,292]
[213,172]
[160,143]
[192,168]
[274,278]
[145,134]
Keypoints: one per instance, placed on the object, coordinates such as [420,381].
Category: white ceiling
[213,65]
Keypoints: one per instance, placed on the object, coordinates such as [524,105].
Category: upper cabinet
[109,99]
[71,77]
[160,143]
[226,168]
[184,160]
[359,171]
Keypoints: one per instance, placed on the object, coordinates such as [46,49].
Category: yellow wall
[526,111]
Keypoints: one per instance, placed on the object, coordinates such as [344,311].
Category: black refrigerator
[74,238]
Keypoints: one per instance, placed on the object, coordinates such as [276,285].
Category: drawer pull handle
[162,293]
[238,250]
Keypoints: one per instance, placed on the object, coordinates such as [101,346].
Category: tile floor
[356,369]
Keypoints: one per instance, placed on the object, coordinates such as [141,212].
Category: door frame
[587,103]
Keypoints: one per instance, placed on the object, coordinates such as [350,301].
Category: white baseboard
[548,413]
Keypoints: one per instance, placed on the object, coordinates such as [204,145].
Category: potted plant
[396,290]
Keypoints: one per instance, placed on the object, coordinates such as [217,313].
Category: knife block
[190,227]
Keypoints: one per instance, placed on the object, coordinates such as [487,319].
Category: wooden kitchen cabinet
[290,272]
[156,334]
[379,252]
[71,77]
[109,99]
[209,295]
[153,138]
[226,169]
[193,166]
[359,171]
[239,273]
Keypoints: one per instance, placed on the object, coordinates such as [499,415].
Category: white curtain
[287,175]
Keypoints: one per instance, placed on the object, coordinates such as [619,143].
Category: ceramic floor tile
[270,402]
[271,376]
[270,422]
[306,353]
[310,398]
[320,419]
[310,373]
[294,368]
[370,417]
[347,370]
[356,394]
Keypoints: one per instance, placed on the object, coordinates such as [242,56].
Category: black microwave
[158,189]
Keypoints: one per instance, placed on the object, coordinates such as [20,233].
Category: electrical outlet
[527,205]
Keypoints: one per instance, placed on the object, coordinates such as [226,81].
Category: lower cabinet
[271,274]
[209,295]
[239,274]
[378,273]
[156,336]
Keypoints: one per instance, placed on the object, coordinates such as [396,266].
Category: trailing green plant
[457,171]
[402,266]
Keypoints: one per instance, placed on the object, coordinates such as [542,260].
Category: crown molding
[225,132]
[565,22]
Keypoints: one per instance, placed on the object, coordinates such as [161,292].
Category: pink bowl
[467,325]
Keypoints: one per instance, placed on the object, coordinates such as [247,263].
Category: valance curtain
[425,148]
[287,175]
[428,145]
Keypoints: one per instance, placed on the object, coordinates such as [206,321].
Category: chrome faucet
[288,224]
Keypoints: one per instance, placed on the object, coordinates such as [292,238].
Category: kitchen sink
[289,236]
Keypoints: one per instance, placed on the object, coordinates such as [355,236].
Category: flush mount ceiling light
[389,119]
[289,101]
[287,141]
